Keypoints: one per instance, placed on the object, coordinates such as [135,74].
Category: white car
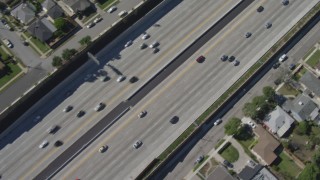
[43,144]
[142,114]
[218,121]
[90,25]
[112,9]
[102,149]
[154,44]
[129,43]
[8,43]
[145,36]
[283,58]
[120,78]
[99,107]
[252,124]
[97,19]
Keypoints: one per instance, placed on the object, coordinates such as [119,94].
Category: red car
[200,59]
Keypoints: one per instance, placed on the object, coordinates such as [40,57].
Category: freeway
[19,149]
[180,96]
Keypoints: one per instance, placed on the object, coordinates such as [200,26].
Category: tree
[316,159]
[304,127]
[68,53]
[56,61]
[60,23]
[232,126]
[269,93]
[249,110]
[309,172]
[85,41]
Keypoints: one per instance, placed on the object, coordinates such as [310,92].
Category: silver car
[43,144]
[112,9]
[137,144]
[121,78]
[99,107]
[154,44]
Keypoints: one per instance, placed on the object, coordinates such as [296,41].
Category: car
[121,78]
[53,129]
[231,58]
[277,81]
[122,14]
[104,78]
[217,122]
[283,58]
[155,50]
[248,34]
[200,59]
[268,25]
[129,43]
[58,143]
[276,65]
[143,46]
[260,9]
[200,159]
[227,163]
[142,114]
[145,36]
[252,124]
[236,63]
[154,44]
[7,42]
[99,107]
[285,2]
[67,109]
[97,19]
[137,144]
[112,9]
[224,58]
[102,149]
[133,79]
[174,119]
[81,113]
[292,66]
[43,144]
[251,163]
[90,25]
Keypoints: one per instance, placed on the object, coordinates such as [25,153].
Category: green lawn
[288,90]
[314,59]
[287,166]
[42,46]
[309,52]
[15,69]
[230,154]
[103,4]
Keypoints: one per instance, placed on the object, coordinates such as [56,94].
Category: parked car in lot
[43,144]
[133,79]
[276,65]
[112,9]
[58,143]
[292,66]
[122,14]
[155,50]
[285,2]
[137,144]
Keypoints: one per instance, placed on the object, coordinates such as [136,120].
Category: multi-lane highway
[186,93]
[24,159]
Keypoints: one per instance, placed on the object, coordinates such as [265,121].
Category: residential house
[309,81]
[303,108]
[278,122]
[221,173]
[24,13]
[257,172]
[52,9]
[266,146]
[42,29]
[77,5]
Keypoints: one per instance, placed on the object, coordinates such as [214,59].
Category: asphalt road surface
[177,95]
[85,93]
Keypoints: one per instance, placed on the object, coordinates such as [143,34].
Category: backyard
[286,167]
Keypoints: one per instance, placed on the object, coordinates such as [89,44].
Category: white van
[122,14]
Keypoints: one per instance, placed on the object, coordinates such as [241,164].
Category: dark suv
[200,59]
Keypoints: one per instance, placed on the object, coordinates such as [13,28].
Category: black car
[292,66]
[228,164]
[3,21]
[53,129]
[260,9]
[155,50]
[174,119]
[285,2]
[231,58]
[224,58]
[67,109]
[58,143]
[133,79]
[80,113]
[276,65]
